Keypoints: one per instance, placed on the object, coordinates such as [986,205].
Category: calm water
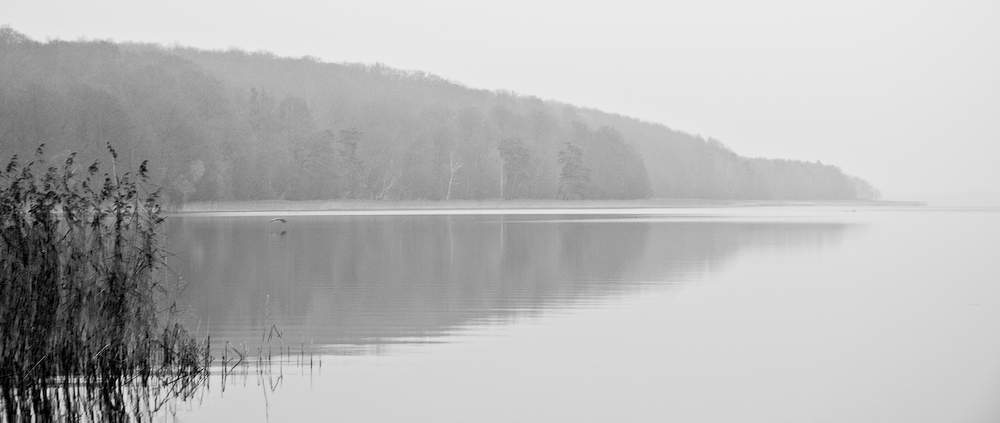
[742,314]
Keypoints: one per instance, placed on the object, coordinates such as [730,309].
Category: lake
[743,314]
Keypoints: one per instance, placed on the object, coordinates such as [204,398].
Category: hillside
[233,125]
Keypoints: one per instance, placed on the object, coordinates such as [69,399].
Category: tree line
[236,125]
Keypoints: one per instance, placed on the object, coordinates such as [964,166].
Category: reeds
[84,331]
[267,361]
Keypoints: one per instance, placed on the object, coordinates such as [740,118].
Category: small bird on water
[282,221]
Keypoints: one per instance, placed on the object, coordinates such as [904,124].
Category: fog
[904,94]
[632,211]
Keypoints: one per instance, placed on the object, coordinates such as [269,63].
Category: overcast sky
[905,94]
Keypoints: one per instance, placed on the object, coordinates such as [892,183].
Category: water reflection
[355,283]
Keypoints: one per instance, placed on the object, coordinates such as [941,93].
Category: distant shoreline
[376,205]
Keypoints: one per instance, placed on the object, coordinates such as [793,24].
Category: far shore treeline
[232,125]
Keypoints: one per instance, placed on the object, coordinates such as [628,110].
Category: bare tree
[454,164]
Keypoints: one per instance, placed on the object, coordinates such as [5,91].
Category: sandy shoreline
[497,205]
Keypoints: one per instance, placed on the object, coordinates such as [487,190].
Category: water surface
[730,314]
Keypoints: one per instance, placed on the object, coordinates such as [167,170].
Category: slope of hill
[232,125]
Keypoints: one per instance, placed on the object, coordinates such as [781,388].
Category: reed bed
[86,328]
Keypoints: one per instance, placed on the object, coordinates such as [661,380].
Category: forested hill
[232,125]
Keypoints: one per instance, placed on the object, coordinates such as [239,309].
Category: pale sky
[905,94]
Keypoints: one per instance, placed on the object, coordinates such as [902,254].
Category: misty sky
[905,94]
